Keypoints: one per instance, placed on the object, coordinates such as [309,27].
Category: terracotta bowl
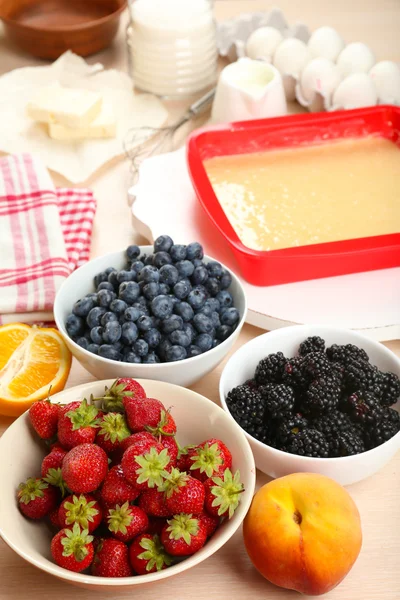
[48,28]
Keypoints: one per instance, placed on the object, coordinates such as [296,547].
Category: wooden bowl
[48,28]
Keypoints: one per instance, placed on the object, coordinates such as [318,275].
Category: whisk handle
[200,105]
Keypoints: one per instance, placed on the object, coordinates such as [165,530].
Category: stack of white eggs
[325,73]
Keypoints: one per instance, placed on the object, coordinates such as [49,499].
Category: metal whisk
[143,142]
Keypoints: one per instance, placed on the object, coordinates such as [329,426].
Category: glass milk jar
[173,46]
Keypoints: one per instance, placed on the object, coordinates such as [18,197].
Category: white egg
[263,42]
[291,56]
[355,58]
[319,76]
[386,77]
[325,42]
[355,91]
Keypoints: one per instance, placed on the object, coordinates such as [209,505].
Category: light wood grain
[376,575]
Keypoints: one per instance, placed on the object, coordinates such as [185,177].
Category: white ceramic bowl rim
[61,325]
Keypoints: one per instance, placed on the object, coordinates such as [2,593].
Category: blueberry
[99,278]
[142,302]
[229,316]
[194,250]
[106,285]
[131,357]
[172,323]
[212,286]
[193,351]
[174,300]
[178,252]
[129,291]
[185,268]
[143,310]
[83,342]
[132,252]
[109,270]
[125,276]
[162,307]
[182,289]
[83,307]
[151,358]
[184,310]
[132,313]
[204,341]
[225,279]
[214,268]
[225,299]
[96,335]
[93,348]
[216,321]
[190,331]
[137,266]
[94,317]
[203,323]
[112,278]
[179,338]
[163,347]
[118,307]
[112,332]
[206,310]
[161,258]
[151,290]
[144,323]
[149,273]
[163,244]
[118,346]
[107,351]
[214,304]
[216,343]
[175,353]
[165,289]
[200,275]
[152,337]
[129,333]
[141,347]
[74,325]
[148,260]
[223,332]
[105,297]
[197,262]
[169,274]
[197,298]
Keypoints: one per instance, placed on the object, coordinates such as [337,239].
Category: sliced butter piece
[104,126]
[73,108]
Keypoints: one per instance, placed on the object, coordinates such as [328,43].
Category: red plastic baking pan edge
[304,262]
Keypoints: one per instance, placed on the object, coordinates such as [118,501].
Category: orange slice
[31,360]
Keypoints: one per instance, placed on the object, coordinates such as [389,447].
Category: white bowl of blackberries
[316,399]
[164,312]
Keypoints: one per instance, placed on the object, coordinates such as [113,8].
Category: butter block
[104,126]
[74,108]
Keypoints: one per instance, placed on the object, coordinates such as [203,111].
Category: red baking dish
[304,262]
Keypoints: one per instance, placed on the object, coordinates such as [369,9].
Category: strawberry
[72,549]
[170,443]
[210,523]
[208,459]
[54,477]
[156,525]
[145,469]
[43,416]
[112,430]
[223,494]
[183,493]
[122,392]
[182,460]
[111,559]
[144,413]
[126,522]
[84,468]
[78,425]
[53,460]
[147,554]
[152,502]
[83,509]
[68,407]
[53,516]
[116,489]
[166,425]
[36,498]
[183,535]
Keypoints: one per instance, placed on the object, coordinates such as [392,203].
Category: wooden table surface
[229,573]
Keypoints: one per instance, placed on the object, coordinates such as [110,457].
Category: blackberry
[292,425]
[307,442]
[265,434]
[247,407]
[342,354]
[294,374]
[360,375]
[363,407]
[378,433]
[323,395]
[270,369]
[390,391]
[331,425]
[279,400]
[347,443]
[316,365]
[312,344]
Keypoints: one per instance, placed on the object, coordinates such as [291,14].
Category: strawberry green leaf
[154,553]
[75,542]
[207,459]
[119,518]
[172,482]
[227,492]
[182,527]
[30,489]
[114,427]
[80,511]
[152,467]
[112,401]
[83,416]
[54,477]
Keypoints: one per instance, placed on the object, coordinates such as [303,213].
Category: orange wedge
[31,360]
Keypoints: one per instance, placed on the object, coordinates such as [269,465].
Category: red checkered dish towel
[45,234]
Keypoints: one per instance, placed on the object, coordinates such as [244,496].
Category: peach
[303,532]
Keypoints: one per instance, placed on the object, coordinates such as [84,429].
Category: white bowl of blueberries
[164,312]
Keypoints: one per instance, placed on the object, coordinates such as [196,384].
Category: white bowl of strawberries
[119,483]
